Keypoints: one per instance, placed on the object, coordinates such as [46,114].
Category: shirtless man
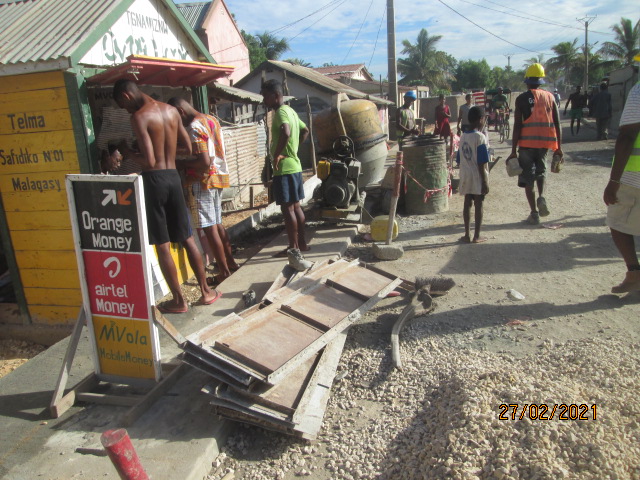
[159,130]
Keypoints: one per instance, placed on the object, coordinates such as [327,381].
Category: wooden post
[394,197]
[311,144]
[285,86]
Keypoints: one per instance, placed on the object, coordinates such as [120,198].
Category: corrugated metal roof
[310,75]
[233,94]
[194,13]
[38,30]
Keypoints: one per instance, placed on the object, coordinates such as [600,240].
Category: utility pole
[393,70]
[509,55]
[586,21]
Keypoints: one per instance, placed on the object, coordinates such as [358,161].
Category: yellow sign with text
[124,347]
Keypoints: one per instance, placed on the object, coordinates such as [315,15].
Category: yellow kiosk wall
[37,150]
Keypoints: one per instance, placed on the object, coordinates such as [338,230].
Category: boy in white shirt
[473,158]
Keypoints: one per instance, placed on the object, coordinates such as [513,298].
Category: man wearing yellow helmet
[622,194]
[536,129]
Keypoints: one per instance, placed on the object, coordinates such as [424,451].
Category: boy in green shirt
[288,131]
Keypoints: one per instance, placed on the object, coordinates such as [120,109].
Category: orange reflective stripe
[539,131]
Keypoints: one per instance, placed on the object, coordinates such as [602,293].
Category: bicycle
[502,125]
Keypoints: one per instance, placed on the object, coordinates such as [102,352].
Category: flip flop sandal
[166,309]
[218,295]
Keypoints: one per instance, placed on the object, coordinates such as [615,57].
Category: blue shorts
[288,188]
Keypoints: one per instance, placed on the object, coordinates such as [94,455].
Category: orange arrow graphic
[122,197]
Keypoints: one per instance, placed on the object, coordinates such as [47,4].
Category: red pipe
[122,454]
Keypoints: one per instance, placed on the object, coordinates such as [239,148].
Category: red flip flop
[218,295]
[165,309]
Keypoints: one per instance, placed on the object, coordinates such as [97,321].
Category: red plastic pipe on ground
[124,457]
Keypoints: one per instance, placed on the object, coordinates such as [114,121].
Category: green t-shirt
[291,162]
[499,101]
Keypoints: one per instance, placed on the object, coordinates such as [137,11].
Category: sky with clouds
[355,31]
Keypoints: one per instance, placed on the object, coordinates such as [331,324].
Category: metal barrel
[426,161]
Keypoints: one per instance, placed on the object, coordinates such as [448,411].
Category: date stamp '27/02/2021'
[542,411]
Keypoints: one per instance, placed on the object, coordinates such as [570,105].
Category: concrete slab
[178,437]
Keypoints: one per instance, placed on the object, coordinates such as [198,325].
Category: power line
[359,30]
[332,2]
[484,29]
[533,17]
[321,18]
[375,45]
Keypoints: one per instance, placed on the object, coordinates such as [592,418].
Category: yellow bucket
[379,227]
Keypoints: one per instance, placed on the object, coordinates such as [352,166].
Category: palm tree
[424,64]
[538,59]
[298,61]
[567,59]
[627,44]
[274,47]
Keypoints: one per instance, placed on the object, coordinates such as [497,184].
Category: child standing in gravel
[473,158]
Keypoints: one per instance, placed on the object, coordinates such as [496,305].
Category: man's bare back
[159,129]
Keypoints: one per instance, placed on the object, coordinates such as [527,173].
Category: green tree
[329,64]
[298,61]
[507,78]
[472,74]
[566,62]
[257,54]
[424,64]
[626,45]
[273,46]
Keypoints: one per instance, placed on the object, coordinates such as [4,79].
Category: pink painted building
[217,29]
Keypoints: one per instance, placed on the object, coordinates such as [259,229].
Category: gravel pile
[439,416]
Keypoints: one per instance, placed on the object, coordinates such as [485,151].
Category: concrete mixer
[350,135]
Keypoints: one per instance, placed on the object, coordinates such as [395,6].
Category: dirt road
[568,342]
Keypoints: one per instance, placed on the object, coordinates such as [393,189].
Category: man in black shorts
[158,129]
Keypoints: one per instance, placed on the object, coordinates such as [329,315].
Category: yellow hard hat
[535,70]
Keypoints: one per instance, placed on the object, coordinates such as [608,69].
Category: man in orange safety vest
[536,130]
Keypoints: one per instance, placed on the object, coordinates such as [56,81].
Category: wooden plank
[278,375]
[48,99]
[66,402]
[47,240]
[313,404]
[106,399]
[217,373]
[56,407]
[32,182]
[19,201]
[206,336]
[277,338]
[326,306]
[38,152]
[52,314]
[366,282]
[53,296]
[46,220]
[31,81]
[156,392]
[61,260]
[167,326]
[49,278]
[24,122]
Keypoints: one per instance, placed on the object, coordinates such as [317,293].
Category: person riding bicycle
[500,106]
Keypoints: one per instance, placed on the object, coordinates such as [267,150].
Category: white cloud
[329,39]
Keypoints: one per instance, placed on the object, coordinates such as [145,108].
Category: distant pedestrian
[288,131]
[206,176]
[556,95]
[622,194]
[536,129]
[443,127]
[463,114]
[602,111]
[578,101]
[405,118]
[473,158]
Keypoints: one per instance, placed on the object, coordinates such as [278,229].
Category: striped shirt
[631,115]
